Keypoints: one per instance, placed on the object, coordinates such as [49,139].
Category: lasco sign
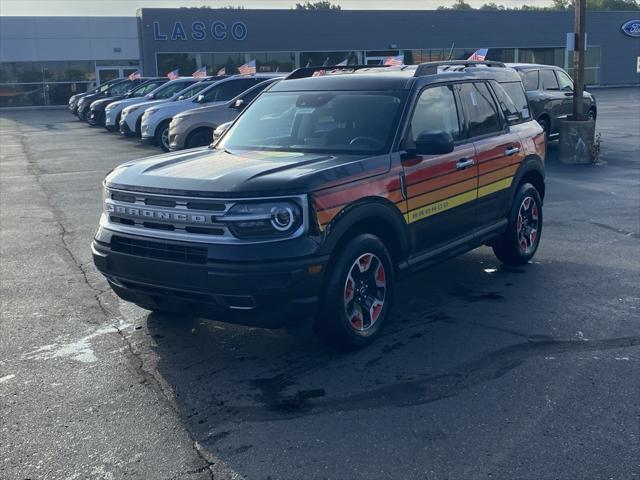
[198,30]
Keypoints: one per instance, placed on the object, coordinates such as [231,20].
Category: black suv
[550,94]
[115,89]
[323,191]
[97,108]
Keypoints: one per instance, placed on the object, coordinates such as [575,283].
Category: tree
[457,5]
[322,5]
[556,5]
[492,6]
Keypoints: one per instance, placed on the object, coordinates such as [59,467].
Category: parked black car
[550,93]
[74,99]
[115,89]
[322,192]
[97,108]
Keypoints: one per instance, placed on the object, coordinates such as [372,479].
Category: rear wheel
[520,241]
[199,138]
[591,114]
[162,135]
[358,294]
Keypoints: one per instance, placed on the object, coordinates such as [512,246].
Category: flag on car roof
[200,73]
[319,73]
[394,61]
[248,68]
[173,74]
[222,71]
[135,75]
[343,63]
[479,55]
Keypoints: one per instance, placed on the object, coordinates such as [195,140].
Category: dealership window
[591,65]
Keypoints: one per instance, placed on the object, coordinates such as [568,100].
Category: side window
[480,109]
[548,80]
[228,90]
[516,94]
[255,92]
[435,112]
[566,84]
[530,80]
[120,88]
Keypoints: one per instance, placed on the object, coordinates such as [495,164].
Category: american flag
[200,73]
[173,74]
[319,73]
[394,61]
[479,55]
[135,75]
[248,68]
[222,71]
[343,63]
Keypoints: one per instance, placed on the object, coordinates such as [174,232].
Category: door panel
[498,161]
[557,104]
[441,198]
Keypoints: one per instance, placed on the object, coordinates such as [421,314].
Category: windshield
[347,122]
[192,90]
[145,88]
[168,90]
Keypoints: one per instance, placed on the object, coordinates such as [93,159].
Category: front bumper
[170,276]
[125,129]
[176,140]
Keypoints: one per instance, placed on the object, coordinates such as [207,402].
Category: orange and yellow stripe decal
[427,197]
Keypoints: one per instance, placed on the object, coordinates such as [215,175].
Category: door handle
[511,151]
[568,94]
[464,163]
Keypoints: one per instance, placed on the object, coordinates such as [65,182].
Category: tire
[544,123]
[362,271]
[519,243]
[199,138]
[162,135]
[591,114]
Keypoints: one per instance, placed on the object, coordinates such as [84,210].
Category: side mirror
[200,99]
[434,143]
[181,97]
[218,132]
[128,94]
[239,104]
[151,96]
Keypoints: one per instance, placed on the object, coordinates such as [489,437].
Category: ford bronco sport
[322,192]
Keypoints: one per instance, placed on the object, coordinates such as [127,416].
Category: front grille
[160,250]
[186,218]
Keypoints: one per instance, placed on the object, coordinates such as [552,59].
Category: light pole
[578,59]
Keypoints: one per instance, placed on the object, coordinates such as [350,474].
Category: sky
[129,7]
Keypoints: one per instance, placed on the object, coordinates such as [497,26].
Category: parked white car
[156,119]
[195,127]
[131,115]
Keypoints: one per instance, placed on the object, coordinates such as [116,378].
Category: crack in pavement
[148,377]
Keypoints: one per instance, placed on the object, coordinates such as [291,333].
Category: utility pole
[578,58]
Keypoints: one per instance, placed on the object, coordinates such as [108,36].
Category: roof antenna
[451,51]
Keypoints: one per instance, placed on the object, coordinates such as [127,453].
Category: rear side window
[530,80]
[516,95]
[435,112]
[172,89]
[480,108]
[548,80]
[566,84]
[228,90]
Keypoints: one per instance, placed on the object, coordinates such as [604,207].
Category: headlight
[109,107]
[129,110]
[264,220]
[150,111]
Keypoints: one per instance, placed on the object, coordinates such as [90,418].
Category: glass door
[107,73]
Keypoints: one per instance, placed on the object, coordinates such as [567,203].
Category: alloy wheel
[364,292]
[527,225]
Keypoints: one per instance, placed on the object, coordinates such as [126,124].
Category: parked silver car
[194,127]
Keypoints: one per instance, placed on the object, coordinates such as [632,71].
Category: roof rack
[431,68]
[305,72]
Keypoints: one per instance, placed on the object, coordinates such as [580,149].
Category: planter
[576,141]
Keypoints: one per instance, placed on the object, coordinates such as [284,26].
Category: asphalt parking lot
[484,371]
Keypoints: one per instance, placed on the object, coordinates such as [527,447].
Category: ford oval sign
[632,28]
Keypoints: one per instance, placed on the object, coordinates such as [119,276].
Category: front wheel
[520,241]
[358,294]
[162,135]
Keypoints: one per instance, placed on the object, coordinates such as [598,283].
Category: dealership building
[43,60]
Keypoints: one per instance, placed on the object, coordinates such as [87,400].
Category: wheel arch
[374,215]
[194,130]
[532,171]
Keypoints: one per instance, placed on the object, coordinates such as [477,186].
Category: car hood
[211,172]
[125,102]
[176,106]
[146,104]
[103,102]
